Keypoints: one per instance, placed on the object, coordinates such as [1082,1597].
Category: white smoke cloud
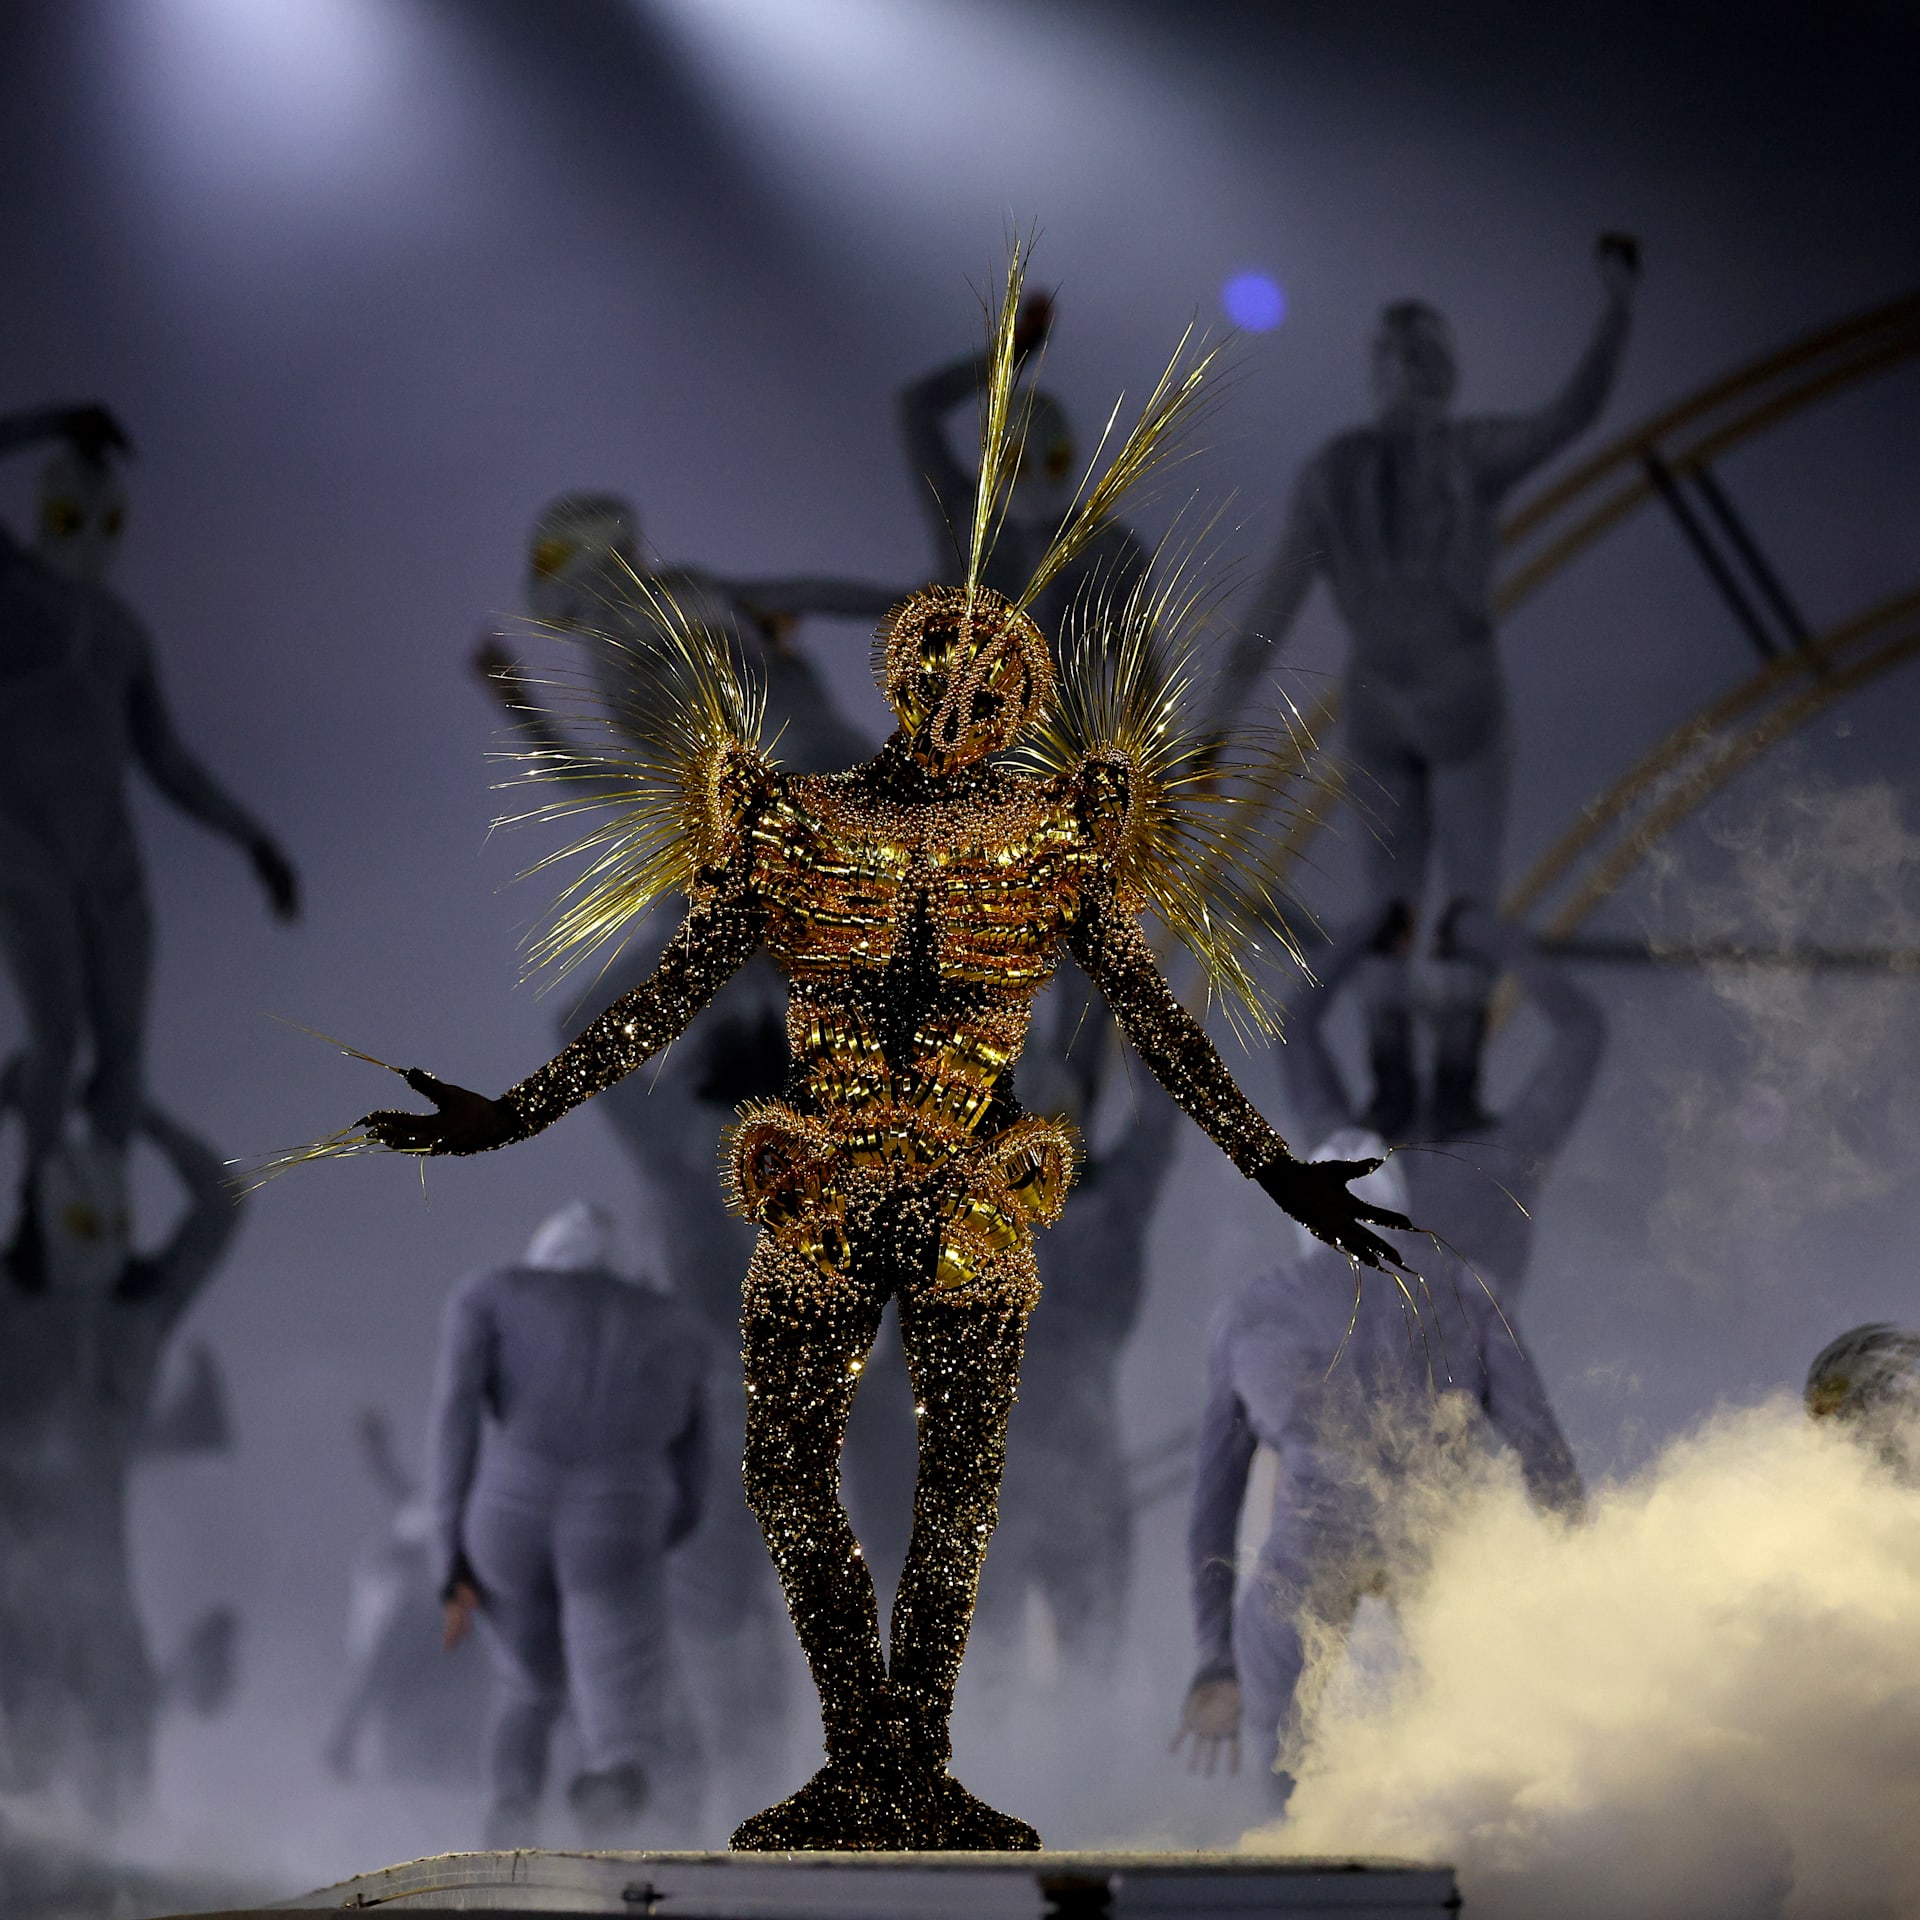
[1703,1701]
[1812,1101]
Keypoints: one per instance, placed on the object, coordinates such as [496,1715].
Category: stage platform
[898,1886]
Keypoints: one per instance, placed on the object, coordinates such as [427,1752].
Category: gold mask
[964,673]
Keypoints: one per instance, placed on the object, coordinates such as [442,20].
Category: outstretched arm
[715,941]
[1114,954]
[197,794]
[1505,448]
[1270,615]
[176,1274]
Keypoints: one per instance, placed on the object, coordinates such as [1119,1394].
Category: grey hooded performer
[1867,1383]
[1479,1195]
[1367,1404]
[83,1335]
[567,1457]
[79,699]
[1401,518]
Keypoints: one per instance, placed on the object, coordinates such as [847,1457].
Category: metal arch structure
[1669,459]
[1676,776]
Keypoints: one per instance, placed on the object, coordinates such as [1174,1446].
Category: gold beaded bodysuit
[916,904]
[916,911]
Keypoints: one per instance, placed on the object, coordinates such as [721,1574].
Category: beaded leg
[964,1358]
[805,1336]
[803,1351]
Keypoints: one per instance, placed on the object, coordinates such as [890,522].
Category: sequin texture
[916,905]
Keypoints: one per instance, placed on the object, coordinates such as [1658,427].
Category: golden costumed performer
[916,905]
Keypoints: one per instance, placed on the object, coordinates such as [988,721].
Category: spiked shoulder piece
[1181,819]
[671,773]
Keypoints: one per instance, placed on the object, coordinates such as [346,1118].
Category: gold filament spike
[251,1176]
[1179,400]
[1003,422]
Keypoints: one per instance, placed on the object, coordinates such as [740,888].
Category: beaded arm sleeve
[717,938]
[1108,943]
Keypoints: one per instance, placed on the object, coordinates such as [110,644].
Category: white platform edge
[901,1886]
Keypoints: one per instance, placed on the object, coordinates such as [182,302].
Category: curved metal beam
[1703,728]
[1715,418]
[1731,758]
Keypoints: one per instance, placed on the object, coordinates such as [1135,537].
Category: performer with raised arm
[1402,518]
[916,904]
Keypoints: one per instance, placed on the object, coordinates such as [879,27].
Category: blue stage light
[1254,301]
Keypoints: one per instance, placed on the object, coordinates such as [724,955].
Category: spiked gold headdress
[1158,439]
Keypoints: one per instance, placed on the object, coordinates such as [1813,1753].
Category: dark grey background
[370,279]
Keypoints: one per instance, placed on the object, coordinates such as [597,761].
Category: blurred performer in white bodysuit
[1402,519]
[80,700]
[83,1336]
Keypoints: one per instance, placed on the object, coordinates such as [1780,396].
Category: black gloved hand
[1315,1193]
[462,1122]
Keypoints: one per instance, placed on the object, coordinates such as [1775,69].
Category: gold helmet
[963,670]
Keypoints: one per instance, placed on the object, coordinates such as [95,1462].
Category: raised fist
[1034,323]
[1616,257]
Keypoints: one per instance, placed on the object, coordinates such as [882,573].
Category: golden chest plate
[840,875]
